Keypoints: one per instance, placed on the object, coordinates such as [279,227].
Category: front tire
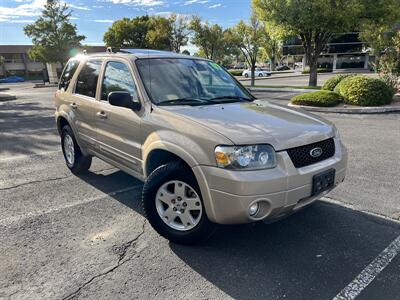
[173,205]
[74,158]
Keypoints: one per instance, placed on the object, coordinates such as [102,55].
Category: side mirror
[123,99]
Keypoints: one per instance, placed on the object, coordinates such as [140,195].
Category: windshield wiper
[183,101]
[230,98]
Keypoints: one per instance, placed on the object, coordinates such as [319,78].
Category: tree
[377,19]
[208,38]
[52,34]
[313,21]
[180,32]
[127,33]
[389,65]
[250,37]
[145,32]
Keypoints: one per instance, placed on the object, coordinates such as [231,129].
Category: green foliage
[376,20]
[364,91]
[180,32]
[314,22]
[318,98]
[319,70]
[52,34]
[332,82]
[389,64]
[208,38]
[152,32]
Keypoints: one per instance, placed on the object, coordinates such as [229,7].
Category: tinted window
[68,73]
[117,77]
[169,79]
[87,78]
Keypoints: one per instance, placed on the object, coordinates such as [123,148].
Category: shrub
[318,98]
[332,82]
[319,70]
[364,91]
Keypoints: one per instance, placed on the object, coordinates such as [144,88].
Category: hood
[259,122]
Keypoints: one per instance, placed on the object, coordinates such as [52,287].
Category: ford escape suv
[207,150]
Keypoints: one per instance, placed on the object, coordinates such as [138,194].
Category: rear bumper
[228,194]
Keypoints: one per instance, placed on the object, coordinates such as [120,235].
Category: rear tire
[167,207]
[74,158]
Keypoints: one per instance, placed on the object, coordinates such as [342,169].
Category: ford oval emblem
[316,152]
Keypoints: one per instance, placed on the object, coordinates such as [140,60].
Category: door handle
[73,105]
[101,115]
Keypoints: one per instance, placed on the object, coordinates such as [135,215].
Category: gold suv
[207,150]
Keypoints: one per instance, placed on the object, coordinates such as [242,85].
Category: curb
[344,110]
[277,90]
[42,85]
[6,97]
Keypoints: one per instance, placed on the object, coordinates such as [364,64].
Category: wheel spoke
[165,196]
[193,203]
[187,219]
[169,215]
[179,189]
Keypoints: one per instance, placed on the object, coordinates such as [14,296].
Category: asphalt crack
[121,251]
[47,180]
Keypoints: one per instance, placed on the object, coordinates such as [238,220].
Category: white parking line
[370,272]
[19,218]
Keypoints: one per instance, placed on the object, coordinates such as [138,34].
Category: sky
[94,17]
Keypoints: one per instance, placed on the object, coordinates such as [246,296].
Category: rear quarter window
[67,74]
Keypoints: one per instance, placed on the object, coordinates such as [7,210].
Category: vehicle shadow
[313,254]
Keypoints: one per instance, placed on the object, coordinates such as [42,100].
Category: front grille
[301,156]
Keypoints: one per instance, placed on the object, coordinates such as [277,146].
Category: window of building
[118,77]
[87,79]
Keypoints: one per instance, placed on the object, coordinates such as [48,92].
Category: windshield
[176,81]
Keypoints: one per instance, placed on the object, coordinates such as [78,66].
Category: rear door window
[68,73]
[87,79]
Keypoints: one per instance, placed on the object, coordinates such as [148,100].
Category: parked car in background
[240,66]
[12,79]
[282,68]
[257,73]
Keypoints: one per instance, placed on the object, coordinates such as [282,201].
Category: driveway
[85,237]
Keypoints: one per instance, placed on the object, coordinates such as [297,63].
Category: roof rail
[112,50]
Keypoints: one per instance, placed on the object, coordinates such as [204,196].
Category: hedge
[236,72]
[364,91]
[319,70]
[332,82]
[318,98]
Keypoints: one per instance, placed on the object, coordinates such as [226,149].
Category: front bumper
[228,194]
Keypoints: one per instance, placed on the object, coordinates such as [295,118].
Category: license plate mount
[323,181]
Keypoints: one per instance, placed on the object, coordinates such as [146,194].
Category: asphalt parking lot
[71,237]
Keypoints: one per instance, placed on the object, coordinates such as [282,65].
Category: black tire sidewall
[81,163]
[165,173]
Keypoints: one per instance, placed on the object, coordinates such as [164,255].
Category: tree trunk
[253,69]
[313,79]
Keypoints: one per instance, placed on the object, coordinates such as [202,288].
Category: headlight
[245,157]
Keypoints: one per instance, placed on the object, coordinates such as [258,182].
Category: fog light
[253,209]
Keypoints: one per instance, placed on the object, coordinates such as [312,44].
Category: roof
[145,53]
